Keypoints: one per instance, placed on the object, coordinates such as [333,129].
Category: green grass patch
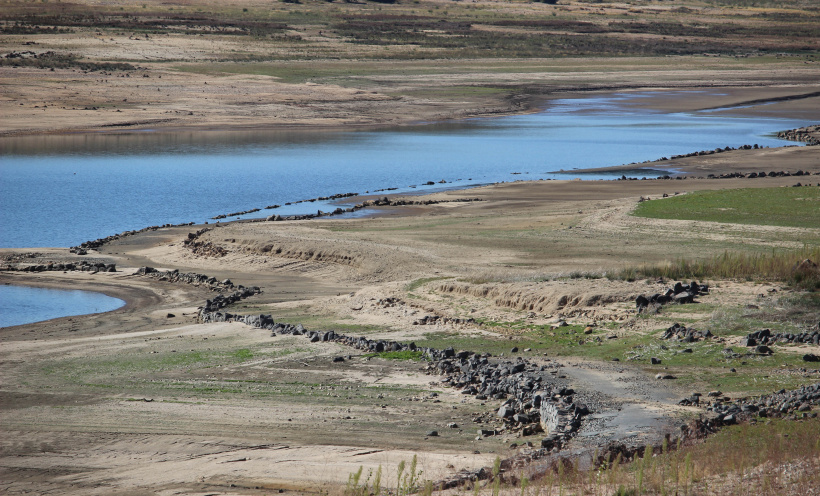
[786,207]
[243,354]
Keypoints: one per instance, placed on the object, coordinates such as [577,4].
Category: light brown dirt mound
[351,258]
[548,297]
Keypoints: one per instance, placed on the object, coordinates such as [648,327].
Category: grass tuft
[798,268]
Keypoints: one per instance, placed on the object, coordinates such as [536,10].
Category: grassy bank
[784,207]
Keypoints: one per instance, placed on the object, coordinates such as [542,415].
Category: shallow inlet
[25,305]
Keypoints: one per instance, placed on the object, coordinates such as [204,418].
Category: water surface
[63,190]
[24,305]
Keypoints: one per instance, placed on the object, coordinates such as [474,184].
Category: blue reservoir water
[23,305]
[63,190]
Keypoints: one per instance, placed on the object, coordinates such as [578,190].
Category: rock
[655,361]
[505,412]
[810,357]
[432,434]
[170,316]
[521,418]
[338,359]
[452,425]
[763,350]
[551,442]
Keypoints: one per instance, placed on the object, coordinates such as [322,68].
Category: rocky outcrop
[679,293]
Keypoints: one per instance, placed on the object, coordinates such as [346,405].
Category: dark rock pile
[778,404]
[82,266]
[188,278]
[766,337]
[727,175]
[83,248]
[679,293]
[757,175]
[685,334]
[716,150]
[222,300]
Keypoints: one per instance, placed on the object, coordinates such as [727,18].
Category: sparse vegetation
[794,267]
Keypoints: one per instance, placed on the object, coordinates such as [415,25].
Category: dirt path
[636,409]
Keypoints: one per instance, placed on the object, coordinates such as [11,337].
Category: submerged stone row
[83,248]
[679,293]
[82,266]
[757,175]
[379,202]
[712,152]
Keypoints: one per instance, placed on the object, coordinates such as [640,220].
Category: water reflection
[24,305]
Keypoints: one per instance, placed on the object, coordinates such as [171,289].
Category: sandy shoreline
[792,101]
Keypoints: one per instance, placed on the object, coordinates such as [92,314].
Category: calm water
[23,305]
[63,190]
